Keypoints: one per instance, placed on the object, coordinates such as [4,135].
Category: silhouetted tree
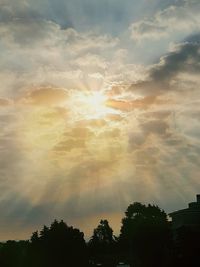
[102,243]
[14,253]
[58,245]
[145,241]
[145,233]
[103,234]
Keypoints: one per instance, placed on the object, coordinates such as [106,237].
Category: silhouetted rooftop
[192,207]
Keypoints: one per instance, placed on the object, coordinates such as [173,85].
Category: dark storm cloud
[194,38]
[184,58]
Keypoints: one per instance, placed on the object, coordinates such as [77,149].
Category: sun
[95,101]
[91,105]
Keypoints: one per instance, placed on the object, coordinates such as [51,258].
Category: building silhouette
[189,217]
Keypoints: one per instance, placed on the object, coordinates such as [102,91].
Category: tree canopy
[145,240]
[103,233]
[58,245]
[145,233]
[102,243]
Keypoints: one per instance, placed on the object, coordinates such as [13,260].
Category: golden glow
[91,105]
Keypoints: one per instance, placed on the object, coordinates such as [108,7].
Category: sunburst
[91,105]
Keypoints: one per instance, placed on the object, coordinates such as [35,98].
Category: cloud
[175,19]
[70,141]
[47,96]
[5,102]
[147,29]
[158,127]
[184,58]
[129,105]
[181,63]
[163,142]
[41,53]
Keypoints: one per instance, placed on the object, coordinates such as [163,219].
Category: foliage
[103,234]
[14,254]
[102,243]
[59,245]
[145,240]
[145,233]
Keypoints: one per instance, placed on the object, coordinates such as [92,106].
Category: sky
[99,108]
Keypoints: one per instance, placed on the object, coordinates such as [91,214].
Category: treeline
[146,239]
